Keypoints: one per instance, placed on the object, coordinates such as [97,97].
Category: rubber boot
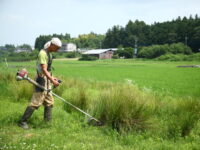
[47,113]
[27,114]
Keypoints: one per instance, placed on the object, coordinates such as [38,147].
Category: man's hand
[48,75]
[55,82]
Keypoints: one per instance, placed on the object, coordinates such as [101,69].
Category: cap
[56,41]
[47,44]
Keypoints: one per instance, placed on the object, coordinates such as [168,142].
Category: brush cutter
[23,75]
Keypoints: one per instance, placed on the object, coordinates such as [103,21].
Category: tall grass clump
[121,106]
[4,77]
[22,90]
[16,91]
[75,94]
[181,117]
[124,107]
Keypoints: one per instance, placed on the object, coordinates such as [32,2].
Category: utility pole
[186,38]
[135,48]
[100,43]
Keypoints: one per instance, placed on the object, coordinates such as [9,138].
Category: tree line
[83,41]
[11,47]
[184,30]
[9,52]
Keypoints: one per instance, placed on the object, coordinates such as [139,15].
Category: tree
[196,39]
[90,41]
[172,37]
[42,39]
[139,30]
[114,37]
[25,46]
[10,47]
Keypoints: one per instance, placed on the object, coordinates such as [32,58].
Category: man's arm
[48,75]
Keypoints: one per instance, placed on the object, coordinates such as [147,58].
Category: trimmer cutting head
[94,122]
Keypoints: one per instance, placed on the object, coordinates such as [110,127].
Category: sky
[22,21]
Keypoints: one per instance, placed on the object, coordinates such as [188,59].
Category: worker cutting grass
[44,78]
[43,94]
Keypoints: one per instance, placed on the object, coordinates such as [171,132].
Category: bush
[66,55]
[179,48]
[59,55]
[179,57]
[171,57]
[127,52]
[193,57]
[70,55]
[153,51]
[115,57]
[159,50]
[88,58]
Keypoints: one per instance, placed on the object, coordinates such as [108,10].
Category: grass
[69,132]
[156,113]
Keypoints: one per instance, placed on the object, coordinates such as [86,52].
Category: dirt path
[66,59]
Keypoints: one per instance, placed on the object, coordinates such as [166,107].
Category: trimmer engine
[21,75]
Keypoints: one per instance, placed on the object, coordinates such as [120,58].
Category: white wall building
[19,50]
[68,47]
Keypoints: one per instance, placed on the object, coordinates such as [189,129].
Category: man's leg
[36,101]
[27,114]
[47,113]
[48,106]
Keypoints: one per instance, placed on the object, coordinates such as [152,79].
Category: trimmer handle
[59,81]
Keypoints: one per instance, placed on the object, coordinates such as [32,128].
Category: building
[19,50]
[68,47]
[101,53]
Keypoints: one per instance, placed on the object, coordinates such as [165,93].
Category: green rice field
[163,77]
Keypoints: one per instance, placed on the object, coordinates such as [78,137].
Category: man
[44,78]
